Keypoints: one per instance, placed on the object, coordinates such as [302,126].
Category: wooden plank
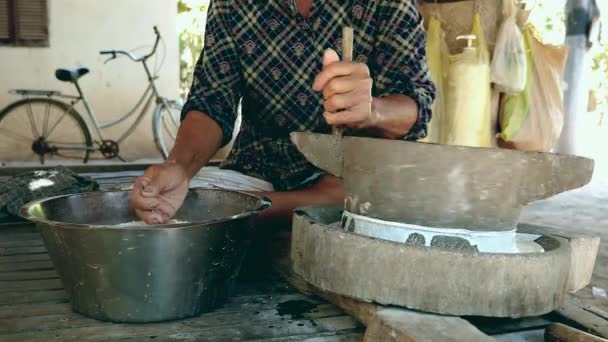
[193,329]
[25,266]
[522,336]
[22,250]
[230,316]
[362,311]
[36,309]
[390,324]
[315,337]
[33,242]
[21,234]
[11,229]
[18,236]
[393,324]
[42,324]
[29,285]
[325,337]
[24,258]
[253,303]
[28,275]
[270,298]
[584,252]
[558,332]
[23,297]
[586,316]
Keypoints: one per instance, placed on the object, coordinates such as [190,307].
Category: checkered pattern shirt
[267,54]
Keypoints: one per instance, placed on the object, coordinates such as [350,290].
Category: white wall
[78,30]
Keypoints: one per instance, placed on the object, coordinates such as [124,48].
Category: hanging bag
[467,111]
[509,65]
[533,119]
[437,60]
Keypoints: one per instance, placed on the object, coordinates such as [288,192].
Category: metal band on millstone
[456,239]
[428,279]
[484,241]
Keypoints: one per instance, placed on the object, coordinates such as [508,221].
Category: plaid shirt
[267,54]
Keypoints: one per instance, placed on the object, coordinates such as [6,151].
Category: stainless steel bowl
[146,273]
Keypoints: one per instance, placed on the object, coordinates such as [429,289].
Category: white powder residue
[142,223]
[40,183]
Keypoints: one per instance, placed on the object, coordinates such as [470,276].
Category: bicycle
[55,138]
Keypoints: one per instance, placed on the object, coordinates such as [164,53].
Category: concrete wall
[78,30]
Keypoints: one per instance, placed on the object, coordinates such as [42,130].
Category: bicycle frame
[146,99]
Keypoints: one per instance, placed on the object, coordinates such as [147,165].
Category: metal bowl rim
[25,213]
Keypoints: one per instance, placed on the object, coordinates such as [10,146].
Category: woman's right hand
[160,192]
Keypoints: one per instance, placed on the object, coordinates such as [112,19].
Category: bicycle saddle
[70,75]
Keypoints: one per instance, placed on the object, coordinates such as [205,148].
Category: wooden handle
[347,56]
[347,44]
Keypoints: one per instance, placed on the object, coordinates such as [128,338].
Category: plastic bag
[437,59]
[467,111]
[533,119]
[509,66]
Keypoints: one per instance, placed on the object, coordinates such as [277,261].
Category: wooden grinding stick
[347,56]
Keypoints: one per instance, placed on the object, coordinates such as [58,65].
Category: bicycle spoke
[46,120]
[30,114]
[57,123]
[175,122]
[15,135]
[169,131]
[23,120]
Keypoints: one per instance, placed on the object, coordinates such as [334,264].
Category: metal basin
[146,273]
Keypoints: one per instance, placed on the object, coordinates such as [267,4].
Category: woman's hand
[347,90]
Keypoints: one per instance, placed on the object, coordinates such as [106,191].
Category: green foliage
[182,7]
[600,71]
[191,28]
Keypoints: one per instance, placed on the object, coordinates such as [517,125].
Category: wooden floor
[34,307]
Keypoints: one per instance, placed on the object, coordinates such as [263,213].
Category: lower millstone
[439,279]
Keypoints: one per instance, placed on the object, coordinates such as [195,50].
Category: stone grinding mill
[434,227]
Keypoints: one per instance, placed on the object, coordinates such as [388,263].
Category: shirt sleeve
[400,64]
[216,85]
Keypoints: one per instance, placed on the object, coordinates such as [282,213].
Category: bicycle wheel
[43,130]
[166,123]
